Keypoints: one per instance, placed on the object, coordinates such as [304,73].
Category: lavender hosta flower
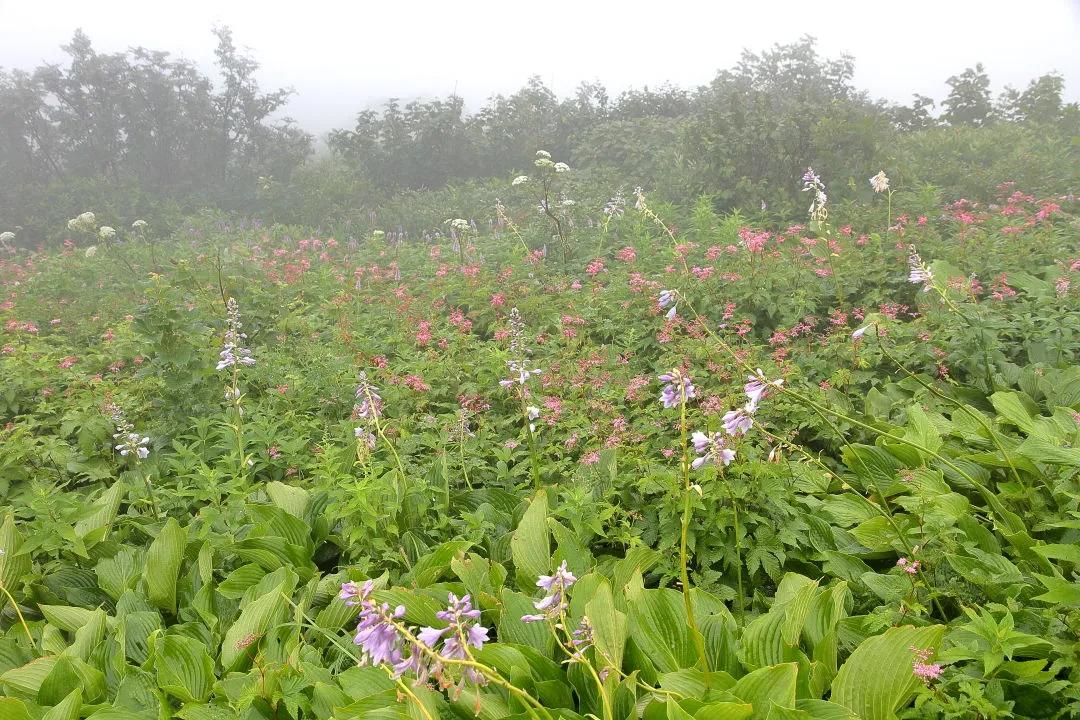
[582,639]
[365,436]
[756,387]
[860,332]
[739,421]
[669,298]
[711,448]
[533,413]
[920,271]
[639,202]
[879,182]
[678,390]
[554,602]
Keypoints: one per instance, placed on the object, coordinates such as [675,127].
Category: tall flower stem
[738,545]
[699,640]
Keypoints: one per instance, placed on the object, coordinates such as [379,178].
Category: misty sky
[344,56]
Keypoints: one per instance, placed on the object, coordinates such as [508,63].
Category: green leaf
[184,668]
[1058,591]
[724,711]
[877,681]
[66,709]
[658,626]
[609,625]
[13,565]
[261,613]
[26,679]
[15,709]
[66,617]
[432,566]
[293,500]
[766,686]
[163,561]
[530,545]
[107,505]
[89,636]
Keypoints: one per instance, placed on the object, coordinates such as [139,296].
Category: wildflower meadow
[557,447]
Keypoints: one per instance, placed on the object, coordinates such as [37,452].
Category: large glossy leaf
[184,668]
[12,565]
[67,709]
[14,709]
[530,544]
[877,680]
[766,686]
[610,627]
[163,561]
[107,505]
[260,614]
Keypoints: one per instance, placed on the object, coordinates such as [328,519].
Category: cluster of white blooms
[91,251]
[459,225]
[520,180]
[87,221]
[879,182]
[106,232]
[5,237]
[138,224]
[131,443]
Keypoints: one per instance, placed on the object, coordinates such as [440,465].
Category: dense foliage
[575,456]
[144,135]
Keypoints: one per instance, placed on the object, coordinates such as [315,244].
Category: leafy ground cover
[557,460]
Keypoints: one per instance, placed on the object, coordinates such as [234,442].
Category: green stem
[18,612]
[699,640]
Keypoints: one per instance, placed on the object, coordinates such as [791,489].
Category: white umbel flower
[520,180]
[879,182]
[106,232]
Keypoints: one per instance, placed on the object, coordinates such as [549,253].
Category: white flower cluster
[138,224]
[879,182]
[106,232]
[87,221]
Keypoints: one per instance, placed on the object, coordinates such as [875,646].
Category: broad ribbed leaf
[766,686]
[12,565]
[293,500]
[14,709]
[530,544]
[103,518]
[66,709]
[163,561]
[610,627]
[26,680]
[89,636]
[266,610]
[184,669]
[66,617]
[121,572]
[877,681]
